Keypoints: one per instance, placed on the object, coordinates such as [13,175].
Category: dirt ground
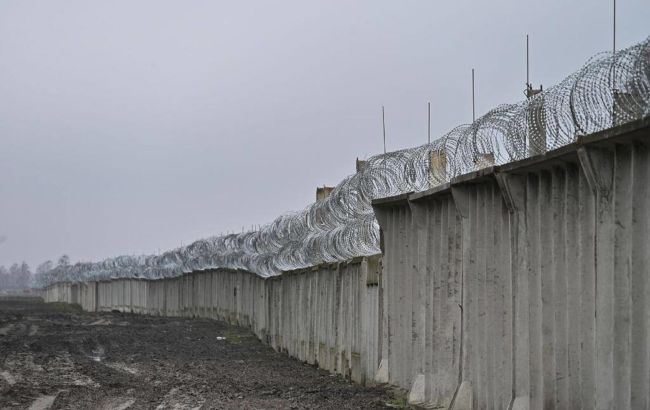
[57,356]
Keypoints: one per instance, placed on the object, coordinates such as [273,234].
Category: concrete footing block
[333,362]
[416,394]
[356,372]
[521,403]
[463,400]
[323,360]
[382,372]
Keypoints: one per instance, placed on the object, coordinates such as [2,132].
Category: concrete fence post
[461,198]
[421,300]
[382,375]
[598,167]
[513,190]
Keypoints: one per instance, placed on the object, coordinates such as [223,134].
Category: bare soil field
[59,357]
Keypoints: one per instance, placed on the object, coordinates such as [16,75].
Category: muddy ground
[57,356]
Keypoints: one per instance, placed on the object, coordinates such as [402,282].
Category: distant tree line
[19,276]
[16,277]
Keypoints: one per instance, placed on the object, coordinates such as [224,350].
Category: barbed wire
[609,90]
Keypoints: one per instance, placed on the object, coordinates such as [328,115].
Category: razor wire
[609,90]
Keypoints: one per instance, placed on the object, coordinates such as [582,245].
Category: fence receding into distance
[607,91]
[502,266]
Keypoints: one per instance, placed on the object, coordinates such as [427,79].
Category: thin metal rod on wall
[473,97]
[527,62]
[383,124]
[429,123]
[614,46]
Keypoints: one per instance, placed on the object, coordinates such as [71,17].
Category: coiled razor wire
[609,90]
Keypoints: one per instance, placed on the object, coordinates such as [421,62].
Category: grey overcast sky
[132,126]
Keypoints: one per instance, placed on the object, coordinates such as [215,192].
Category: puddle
[98,354]
[117,403]
[8,377]
[122,367]
[43,403]
[100,322]
[4,331]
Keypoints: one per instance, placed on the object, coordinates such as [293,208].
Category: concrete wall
[326,315]
[525,285]
[83,294]
[520,286]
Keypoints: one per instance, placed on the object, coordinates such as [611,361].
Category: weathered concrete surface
[527,280]
[326,315]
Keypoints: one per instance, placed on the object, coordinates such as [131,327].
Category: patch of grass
[397,403]
[66,307]
[232,337]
